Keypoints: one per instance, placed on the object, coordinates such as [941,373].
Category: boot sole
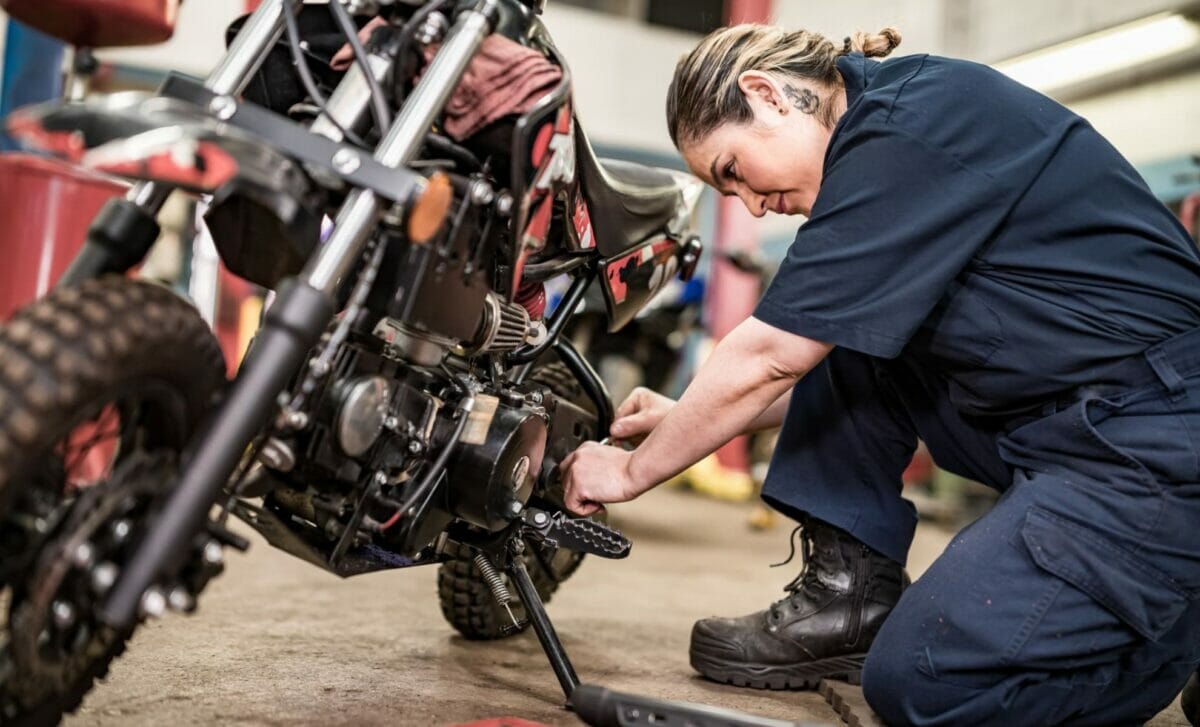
[773,676]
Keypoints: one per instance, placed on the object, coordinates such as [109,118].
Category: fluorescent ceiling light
[1099,54]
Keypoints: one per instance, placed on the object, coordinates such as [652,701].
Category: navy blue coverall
[1000,283]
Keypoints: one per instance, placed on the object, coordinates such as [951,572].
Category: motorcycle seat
[628,202]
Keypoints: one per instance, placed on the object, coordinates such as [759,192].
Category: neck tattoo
[804,99]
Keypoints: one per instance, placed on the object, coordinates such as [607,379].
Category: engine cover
[497,462]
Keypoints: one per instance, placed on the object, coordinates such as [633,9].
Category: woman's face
[773,162]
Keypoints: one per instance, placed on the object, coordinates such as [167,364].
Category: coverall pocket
[1143,597]
[965,330]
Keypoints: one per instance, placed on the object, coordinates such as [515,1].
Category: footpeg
[579,534]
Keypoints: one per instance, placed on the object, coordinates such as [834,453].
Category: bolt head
[346,161]
[153,602]
[297,419]
[64,614]
[482,192]
[414,446]
[540,518]
[213,553]
[84,555]
[223,107]
[104,576]
[121,530]
[514,508]
[381,478]
[180,599]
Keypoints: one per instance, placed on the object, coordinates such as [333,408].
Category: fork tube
[362,208]
[124,231]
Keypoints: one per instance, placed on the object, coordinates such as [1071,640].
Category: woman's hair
[704,93]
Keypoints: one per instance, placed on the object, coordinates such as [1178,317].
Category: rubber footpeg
[579,534]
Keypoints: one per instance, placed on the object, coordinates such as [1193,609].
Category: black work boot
[1189,700]
[821,629]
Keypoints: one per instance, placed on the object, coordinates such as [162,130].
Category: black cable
[379,102]
[292,29]
[432,475]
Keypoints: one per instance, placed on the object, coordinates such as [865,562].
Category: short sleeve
[894,223]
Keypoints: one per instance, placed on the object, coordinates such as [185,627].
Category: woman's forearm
[747,373]
[772,417]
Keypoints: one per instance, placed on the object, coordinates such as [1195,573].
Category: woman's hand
[639,414]
[594,475]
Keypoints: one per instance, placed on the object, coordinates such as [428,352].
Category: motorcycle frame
[304,304]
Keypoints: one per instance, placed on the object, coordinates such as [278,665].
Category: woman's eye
[729,172]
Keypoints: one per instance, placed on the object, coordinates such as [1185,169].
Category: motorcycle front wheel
[101,387]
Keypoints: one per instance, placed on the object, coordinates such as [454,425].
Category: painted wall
[198,42]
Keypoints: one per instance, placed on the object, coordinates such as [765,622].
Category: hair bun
[873,45]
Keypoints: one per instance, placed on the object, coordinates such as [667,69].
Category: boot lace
[807,576]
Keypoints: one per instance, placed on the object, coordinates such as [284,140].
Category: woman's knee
[887,683]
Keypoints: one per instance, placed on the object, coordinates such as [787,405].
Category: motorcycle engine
[381,422]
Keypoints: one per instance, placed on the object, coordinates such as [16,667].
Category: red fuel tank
[46,206]
[98,23]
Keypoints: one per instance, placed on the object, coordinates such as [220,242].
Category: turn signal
[430,209]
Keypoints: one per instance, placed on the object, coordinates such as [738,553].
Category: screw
[534,397]
[482,192]
[84,555]
[319,368]
[514,508]
[64,614]
[381,478]
[415,446]
[120,530]
[346,161]
[213,554]
[540,518]
[103,577]
[504,204]
[296,419]
[180,599]
[153,602]
[432,29]
[391,423]
[223,107]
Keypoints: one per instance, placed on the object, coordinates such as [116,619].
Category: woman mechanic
[980,269]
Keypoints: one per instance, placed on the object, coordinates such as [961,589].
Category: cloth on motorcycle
[503,78]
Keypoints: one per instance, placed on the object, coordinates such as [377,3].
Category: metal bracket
[355,166]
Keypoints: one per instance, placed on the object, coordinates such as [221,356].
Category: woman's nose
[756,203]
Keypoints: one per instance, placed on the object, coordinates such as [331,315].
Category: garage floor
[277,642]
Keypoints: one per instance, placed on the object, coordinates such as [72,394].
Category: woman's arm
[773,416]
[747,373]
[645,409]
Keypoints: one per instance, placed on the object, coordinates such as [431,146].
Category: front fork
[295,321]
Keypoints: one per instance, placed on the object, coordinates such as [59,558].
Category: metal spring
[493,580]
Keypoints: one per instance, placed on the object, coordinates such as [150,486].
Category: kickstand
[536,612]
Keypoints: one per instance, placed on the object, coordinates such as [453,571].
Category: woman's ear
[762,92]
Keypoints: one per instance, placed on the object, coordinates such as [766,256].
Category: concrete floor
[277,642]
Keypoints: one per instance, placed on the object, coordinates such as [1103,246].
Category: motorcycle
[407,398]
